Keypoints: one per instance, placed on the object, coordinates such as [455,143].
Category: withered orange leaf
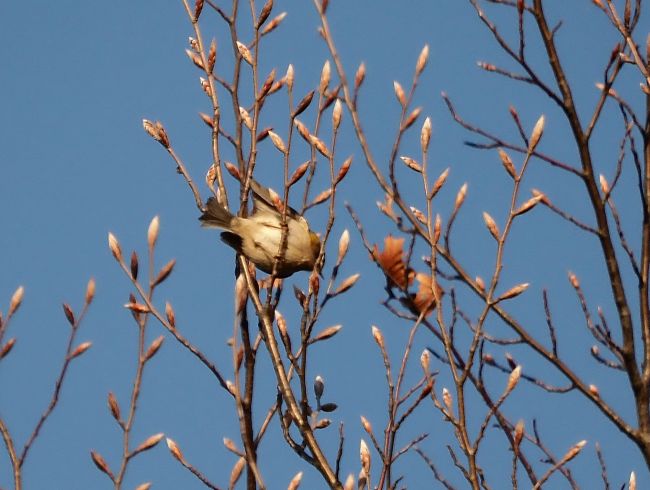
[391,260]
[424,298]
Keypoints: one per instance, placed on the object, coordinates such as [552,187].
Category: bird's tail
[215,215]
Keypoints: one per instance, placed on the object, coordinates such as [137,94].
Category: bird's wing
[264,202]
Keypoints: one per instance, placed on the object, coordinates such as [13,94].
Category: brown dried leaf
[425,297]
[391,261]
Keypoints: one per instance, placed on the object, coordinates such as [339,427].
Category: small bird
[258,236]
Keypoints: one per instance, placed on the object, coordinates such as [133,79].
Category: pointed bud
[336,114]
[347,283]
[319,387]
[114,245]
[343,171]
[632,483]
[212,55]
[437,185]
[149,442]
[277,142]
[364,456]
[536,135]
[491,226]
[322,197]
[245,53]
[367,426]
[69,314]
[275,22]
[325,76]
[411,118]
[205,86]
[399,93]
[303,104]
[165,272]
[81,348]
[378,336]
[236,472]
[198,8]
[101,463]
[6,349]
[349,482]
[419,215]
[206,119]
[152,232]
[289,77]
[448,400]
[231,446]
[480,283]
[514,291]
[195,58]
[513,379]
[573,279]
[295,481]
[506,161]
[528,205]
[16,300]
[264,13]
[604,186]
[113,406]
[437,228]
[246,118]
[519,433]
[425,360]
[573,452]
[422,60]
[359,76]
[137,307]
[90,291]
[171,317]
[176,452]
[134,265]
[154,347]
[411,163]
[319,145]
[144,486]
[344,244]
[425,135]
[460,197]
[593,389]
[327,333]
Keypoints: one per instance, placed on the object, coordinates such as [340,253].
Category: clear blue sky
[76,80]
